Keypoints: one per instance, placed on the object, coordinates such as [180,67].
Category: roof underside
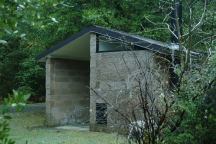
[77,47]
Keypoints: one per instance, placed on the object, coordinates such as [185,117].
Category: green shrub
[196,97]
[11,55]
[4,130]
[17,99]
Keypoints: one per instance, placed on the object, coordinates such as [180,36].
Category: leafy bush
[17,99]
[19,68]
[31,77]
[196,98]
[11,55]
[4,130]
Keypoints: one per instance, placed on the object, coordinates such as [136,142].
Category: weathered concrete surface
[113,77]
[67,92]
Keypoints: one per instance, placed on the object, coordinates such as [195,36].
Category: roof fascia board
[132,40]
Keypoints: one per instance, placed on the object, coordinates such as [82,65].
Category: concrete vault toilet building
[93,59]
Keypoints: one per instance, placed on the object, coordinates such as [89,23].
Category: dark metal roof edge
[106,32]
[131,39]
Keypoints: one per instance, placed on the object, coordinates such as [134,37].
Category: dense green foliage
[196,98]
[28,27]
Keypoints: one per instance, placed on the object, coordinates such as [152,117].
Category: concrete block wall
[67,92]
[114,73]
[111,75]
